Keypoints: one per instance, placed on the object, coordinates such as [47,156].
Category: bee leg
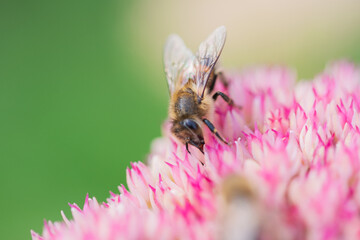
[222,78]
[213,130]
[200,148]
[212,81]
[214,77]
[187,147]
[225,97]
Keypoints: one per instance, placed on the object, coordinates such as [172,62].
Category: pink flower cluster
[296,143]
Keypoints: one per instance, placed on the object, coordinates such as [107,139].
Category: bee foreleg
[213,130]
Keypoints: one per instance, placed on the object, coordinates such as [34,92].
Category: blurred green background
[83,91]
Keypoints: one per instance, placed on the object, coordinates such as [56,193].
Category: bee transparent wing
[178,62]
[207,56]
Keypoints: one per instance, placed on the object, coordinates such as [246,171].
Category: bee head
[189,131]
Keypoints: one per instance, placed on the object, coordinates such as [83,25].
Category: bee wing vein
[207,56]
[178,62]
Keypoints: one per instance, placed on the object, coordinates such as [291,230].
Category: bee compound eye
[190,124]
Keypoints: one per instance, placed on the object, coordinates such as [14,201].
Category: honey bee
[191,79]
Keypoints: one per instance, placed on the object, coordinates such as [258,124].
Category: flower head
[296,144]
